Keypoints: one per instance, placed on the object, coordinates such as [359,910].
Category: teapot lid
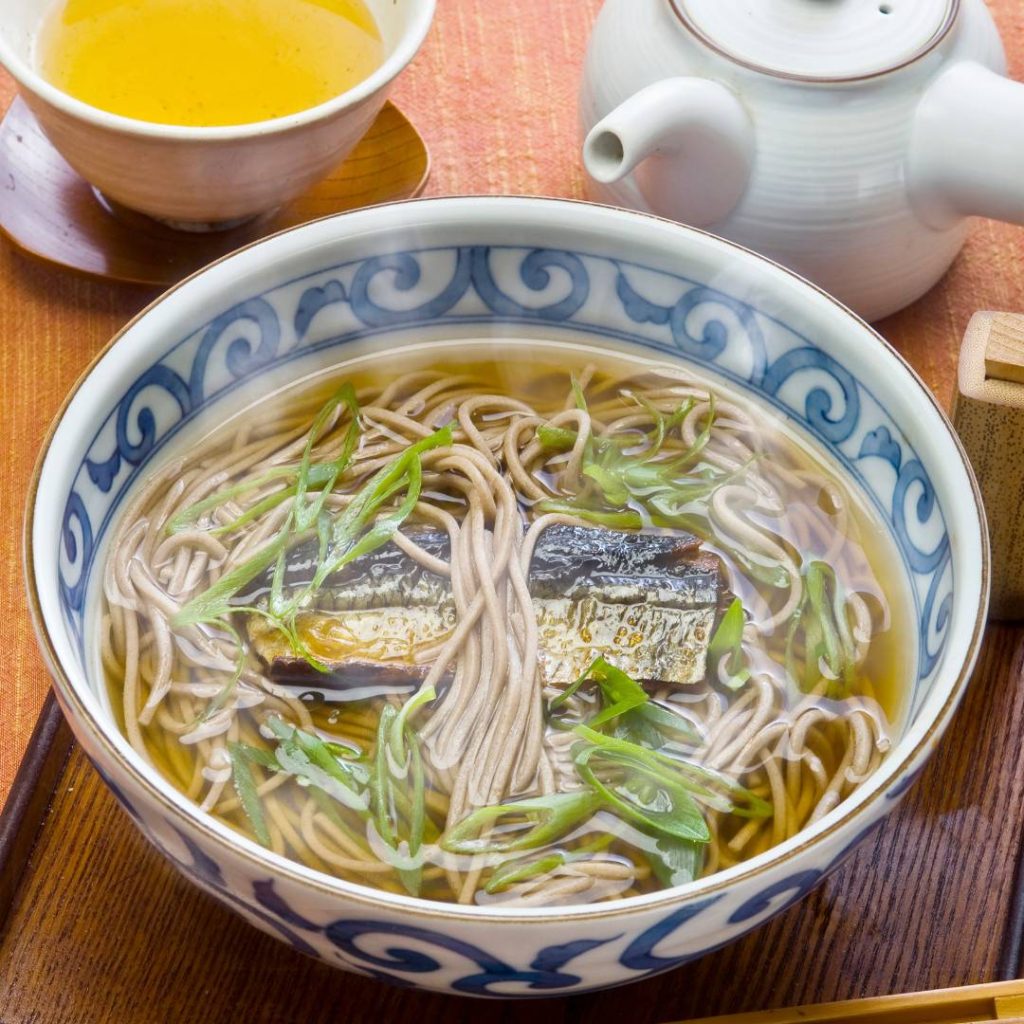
[820,40]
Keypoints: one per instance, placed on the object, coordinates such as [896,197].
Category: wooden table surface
[922,905]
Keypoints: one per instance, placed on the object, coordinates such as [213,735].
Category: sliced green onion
[398,730]
[398,768]
[537,821]
[652,716]
[412,877]
[321,476]
[669,809]
[664,426]
[700,442]
[729,634]
[248,797]
[619,693]
[305,756]
[305,517]
[611,483]
[727,642]
[523,869]
[256,755]
[577,394]
[556,439]
[214,602]
[675,861]
[187,517]
[380,787]
[827,637]
[711,787]
[626,701]
[829,647]
[345,543]
[626,520]
[271,501]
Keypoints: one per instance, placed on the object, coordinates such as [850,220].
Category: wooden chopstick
[998,1003]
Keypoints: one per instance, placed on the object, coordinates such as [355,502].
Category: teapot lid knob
[819,40]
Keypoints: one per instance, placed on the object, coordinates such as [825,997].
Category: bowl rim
[237,845]
[409,43]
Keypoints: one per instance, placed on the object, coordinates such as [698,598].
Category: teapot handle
[967,148]
[690,142]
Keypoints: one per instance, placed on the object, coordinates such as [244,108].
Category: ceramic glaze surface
[500,269]
[863,185]
[199,177]
[837,39]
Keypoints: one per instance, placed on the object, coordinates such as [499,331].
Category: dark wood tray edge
[1011,960]
[22,816]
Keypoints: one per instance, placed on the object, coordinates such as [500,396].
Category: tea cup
[207,177]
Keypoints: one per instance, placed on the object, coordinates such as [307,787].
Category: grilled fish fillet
[645,602]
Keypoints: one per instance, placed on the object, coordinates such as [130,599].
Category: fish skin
[645,602]
[367,622]
[576,561]
[385,578]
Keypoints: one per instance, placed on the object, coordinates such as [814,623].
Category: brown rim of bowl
[371,898]
[943,30]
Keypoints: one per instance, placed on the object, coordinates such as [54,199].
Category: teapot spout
[690,142]
[967,148]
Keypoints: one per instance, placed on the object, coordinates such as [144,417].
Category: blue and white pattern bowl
[503,268]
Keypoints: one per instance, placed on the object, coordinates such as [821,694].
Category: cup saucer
[47,210]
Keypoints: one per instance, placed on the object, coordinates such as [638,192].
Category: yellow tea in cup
[208,62]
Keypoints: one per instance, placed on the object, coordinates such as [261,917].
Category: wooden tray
[101,929]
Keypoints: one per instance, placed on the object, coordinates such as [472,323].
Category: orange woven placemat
[494,94]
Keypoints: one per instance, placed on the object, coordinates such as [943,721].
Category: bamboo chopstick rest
[988,413]
[1001,1002]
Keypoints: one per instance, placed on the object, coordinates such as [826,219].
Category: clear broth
[206,63]
[539,376]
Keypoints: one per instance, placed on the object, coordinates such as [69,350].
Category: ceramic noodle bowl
[849,140]
[491,271]
[200,178]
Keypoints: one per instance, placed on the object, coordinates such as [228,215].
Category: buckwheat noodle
[486,739]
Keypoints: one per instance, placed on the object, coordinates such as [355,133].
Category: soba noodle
[406,787]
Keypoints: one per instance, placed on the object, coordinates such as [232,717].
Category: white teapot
[847,139]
